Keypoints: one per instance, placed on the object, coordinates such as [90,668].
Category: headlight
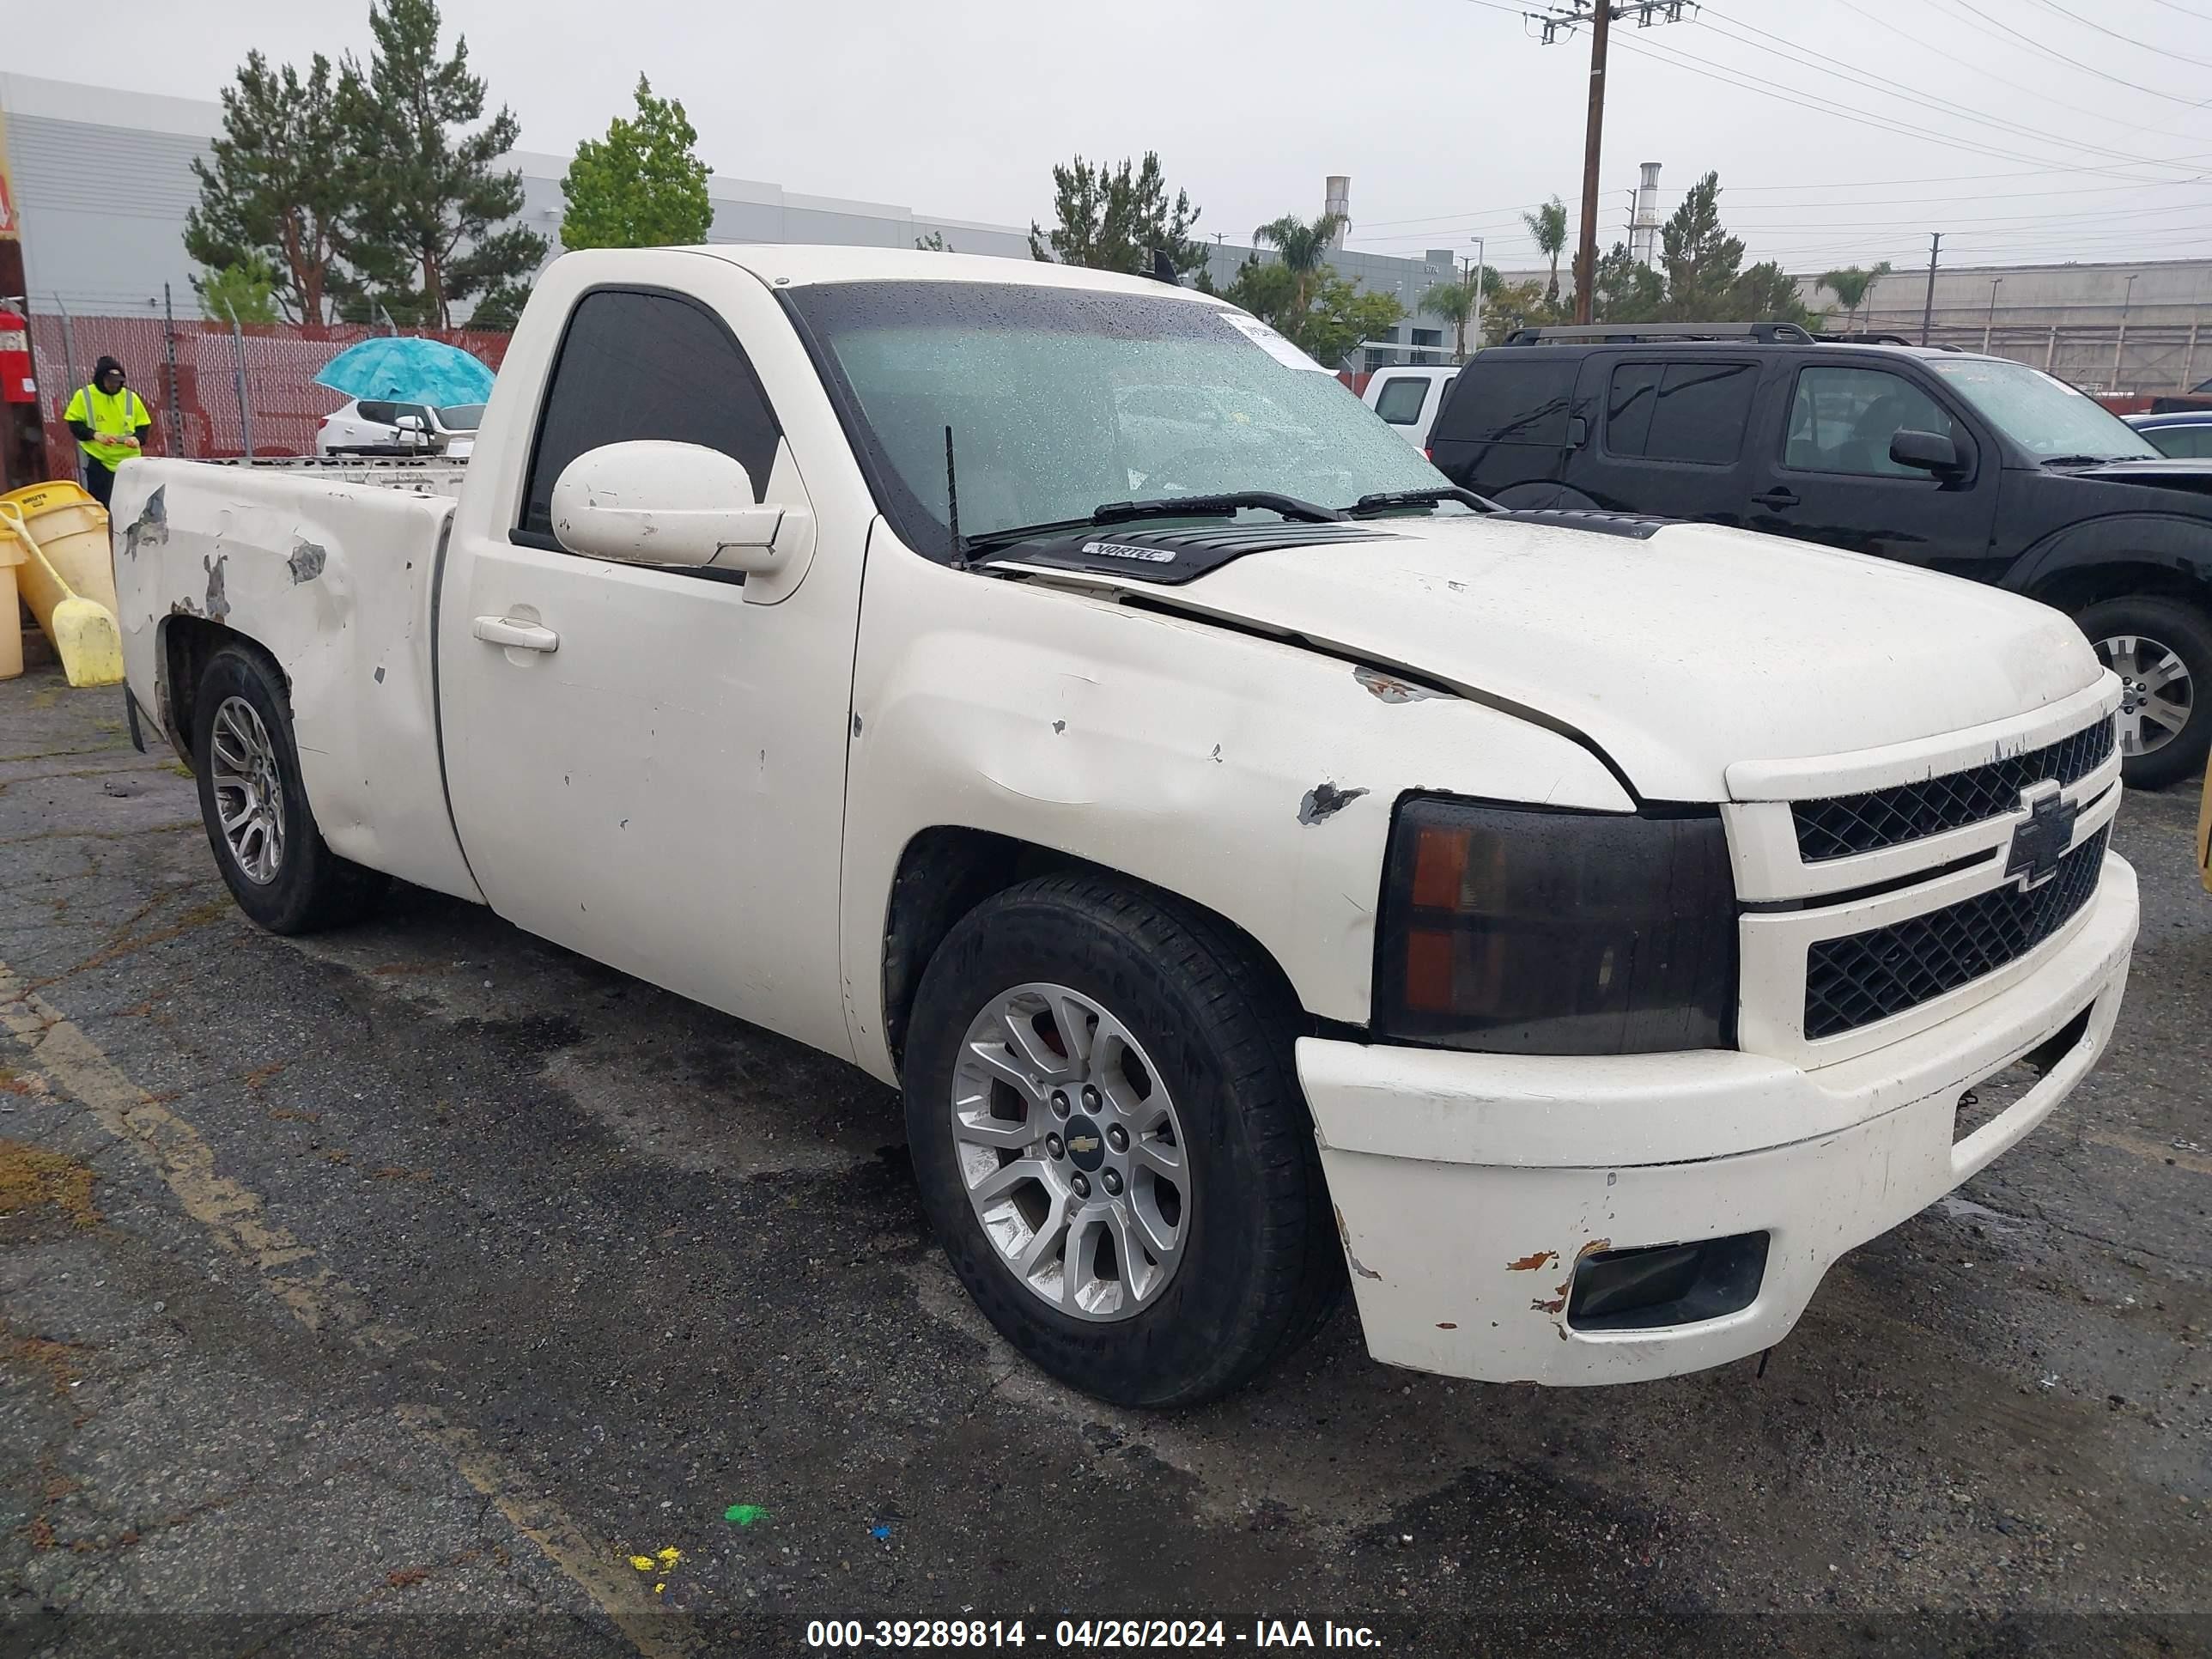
[1514,930]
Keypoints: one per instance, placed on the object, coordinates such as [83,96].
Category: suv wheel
[1109,1138]
[2161,649]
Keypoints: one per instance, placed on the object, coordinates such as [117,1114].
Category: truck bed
[332,570]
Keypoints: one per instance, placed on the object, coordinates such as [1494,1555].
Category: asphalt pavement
[424,1288]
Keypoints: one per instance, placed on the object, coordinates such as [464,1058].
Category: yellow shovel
[84,632]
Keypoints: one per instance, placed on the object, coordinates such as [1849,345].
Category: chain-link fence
[207,386]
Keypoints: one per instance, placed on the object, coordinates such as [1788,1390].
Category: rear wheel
[266,841]
[1108,1137]
[2161,649]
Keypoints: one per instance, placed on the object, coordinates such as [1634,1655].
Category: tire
[2166,635]
[1185,1018]
[279,870]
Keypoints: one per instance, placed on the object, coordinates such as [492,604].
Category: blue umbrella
[408,371]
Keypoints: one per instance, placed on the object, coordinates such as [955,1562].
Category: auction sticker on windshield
[1275,345]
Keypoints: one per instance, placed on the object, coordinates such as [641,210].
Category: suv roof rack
[1638,333]
[1885,339]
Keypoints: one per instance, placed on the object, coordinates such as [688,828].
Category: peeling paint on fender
[218,604]
[1529,1264]
[305,562]
[1385,688]
[151,527]
[1326,800]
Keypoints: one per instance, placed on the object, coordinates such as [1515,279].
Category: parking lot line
[236,1218]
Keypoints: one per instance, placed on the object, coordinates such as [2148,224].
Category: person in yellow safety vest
[110,421]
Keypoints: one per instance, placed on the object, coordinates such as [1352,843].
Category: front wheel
[264,837]
[1109,1138]
[2161,649]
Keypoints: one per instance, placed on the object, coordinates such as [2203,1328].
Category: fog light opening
[1653,1286]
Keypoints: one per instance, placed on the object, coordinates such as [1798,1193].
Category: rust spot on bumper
[1529,1264]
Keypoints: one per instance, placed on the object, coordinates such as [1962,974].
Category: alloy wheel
[2157,691]
[1073,1155]
[249,791]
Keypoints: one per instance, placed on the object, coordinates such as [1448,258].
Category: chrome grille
[1863,977]
[1844,824]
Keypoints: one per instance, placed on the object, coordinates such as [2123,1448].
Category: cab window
[636,364]
[1400,400]
[1841,420]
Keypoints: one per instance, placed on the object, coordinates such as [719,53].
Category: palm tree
[1455,301]
[1548,225]
[1305,248]
[1849,286]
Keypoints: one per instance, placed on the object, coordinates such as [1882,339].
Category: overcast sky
[2057,129]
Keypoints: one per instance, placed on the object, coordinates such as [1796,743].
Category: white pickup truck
[1262,865]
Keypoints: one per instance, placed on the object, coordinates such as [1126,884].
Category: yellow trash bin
[60,534]
[71,531]
[11,614]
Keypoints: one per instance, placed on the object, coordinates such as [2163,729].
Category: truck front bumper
[1470,1188]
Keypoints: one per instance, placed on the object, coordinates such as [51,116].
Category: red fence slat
[281,361]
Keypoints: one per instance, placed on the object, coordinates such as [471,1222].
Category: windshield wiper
[1223,505]
[2090,460]
[1220,505]
[1382,500]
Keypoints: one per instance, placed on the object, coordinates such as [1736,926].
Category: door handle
[1775,500]
[515,635]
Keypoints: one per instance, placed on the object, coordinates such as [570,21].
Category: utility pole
[1928,306]
[1563,17]
[1593,142]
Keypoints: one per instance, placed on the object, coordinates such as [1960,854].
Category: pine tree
[1111,217]
[428,229]
[642,185]
[276,186]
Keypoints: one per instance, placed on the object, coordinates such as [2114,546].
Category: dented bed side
[337,582]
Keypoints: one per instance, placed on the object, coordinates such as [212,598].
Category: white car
[1572,932]
[375,427]
[1409,398]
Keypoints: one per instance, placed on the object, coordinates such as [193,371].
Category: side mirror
[650,502]
[1924,451]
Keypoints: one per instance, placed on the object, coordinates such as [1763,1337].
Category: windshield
[2045,417]
[1063,399]
[461,417]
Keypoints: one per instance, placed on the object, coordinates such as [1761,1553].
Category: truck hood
[1676,652]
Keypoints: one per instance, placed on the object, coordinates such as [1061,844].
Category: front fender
[2168,541]
[1248,774]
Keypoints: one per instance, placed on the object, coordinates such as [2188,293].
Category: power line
[2058,57]
[1829,106]
[1790,53]
[1989,74]
[2125,40]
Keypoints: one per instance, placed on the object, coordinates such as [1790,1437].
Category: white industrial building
[103,181]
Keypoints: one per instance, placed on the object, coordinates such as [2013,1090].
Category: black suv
[1976,466]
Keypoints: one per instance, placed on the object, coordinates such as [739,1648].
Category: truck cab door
[1828,476]
[647,763]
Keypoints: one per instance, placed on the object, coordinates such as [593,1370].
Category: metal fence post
[2050,352]
[69,363]
[176,404]
[245,404]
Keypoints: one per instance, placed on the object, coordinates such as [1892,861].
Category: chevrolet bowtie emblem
[1083,1144]
[2042,838]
